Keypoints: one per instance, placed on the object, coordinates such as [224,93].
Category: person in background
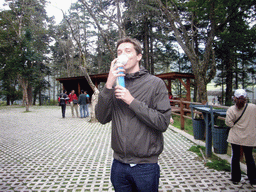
[241,118]
[170,95]
[140,113]
[171,102]
[171,120]
[213,101]
[87,104]
[63,98]
[73,103]
[82,102]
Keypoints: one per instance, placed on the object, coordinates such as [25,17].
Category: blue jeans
[141,178]
[235,166]
[87,110]
[82,110]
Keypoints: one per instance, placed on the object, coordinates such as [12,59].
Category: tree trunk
[30,94]
[119,17]
[229,77]
[94,100]
[146,45]
[202,91]
[34,100]
[152,71]
[54,88]
[8,97]
[24,85]
[99,58]
[195,92]
[49,95]
[8,100]
[40,97]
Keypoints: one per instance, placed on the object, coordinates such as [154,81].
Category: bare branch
[98,26]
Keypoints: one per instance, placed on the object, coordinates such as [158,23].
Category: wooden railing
[182,109]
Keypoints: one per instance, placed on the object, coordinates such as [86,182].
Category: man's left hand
[123,94]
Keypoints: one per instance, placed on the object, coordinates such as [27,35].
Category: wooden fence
[182,108]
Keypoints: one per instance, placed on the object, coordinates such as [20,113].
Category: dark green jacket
[82,99]
[137,129]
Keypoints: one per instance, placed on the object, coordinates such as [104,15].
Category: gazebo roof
[103,77]
[80,83]
[176,75]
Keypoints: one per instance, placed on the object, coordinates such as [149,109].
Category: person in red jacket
[73,100]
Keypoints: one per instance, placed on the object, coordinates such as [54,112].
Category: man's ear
[139,57]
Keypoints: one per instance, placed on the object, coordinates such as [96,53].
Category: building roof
[80,83]
[103,77]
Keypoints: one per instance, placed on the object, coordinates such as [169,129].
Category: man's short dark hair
[82,91]
[135,42]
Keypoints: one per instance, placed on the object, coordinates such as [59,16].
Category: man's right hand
[113,74]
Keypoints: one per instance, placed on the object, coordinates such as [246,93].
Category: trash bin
[219,138]
[198,129]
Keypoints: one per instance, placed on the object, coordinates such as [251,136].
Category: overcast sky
[53,8]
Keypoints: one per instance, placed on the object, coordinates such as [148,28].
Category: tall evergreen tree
[28,34]
[235,48]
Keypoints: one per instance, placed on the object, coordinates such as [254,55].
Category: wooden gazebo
[80,83]
[181,77]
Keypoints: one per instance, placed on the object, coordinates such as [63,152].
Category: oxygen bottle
[122,60]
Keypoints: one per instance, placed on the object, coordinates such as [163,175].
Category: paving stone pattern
[40,151]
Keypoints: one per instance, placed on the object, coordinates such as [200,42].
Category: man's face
[132,65]
[72,91]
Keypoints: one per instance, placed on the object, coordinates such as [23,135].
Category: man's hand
[113,74]
[123,94]
[171,120]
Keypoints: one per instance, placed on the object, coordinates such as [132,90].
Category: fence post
[182,121]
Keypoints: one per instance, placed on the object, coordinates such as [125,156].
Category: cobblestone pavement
[40,151]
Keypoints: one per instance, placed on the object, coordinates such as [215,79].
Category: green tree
[204,19]
[235,48]
[26,22]
[8,72]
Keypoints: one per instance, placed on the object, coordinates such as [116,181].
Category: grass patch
[196,149]
[188,124]
[214,162]
[219,165]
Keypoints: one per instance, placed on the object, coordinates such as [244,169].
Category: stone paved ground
[40,151]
